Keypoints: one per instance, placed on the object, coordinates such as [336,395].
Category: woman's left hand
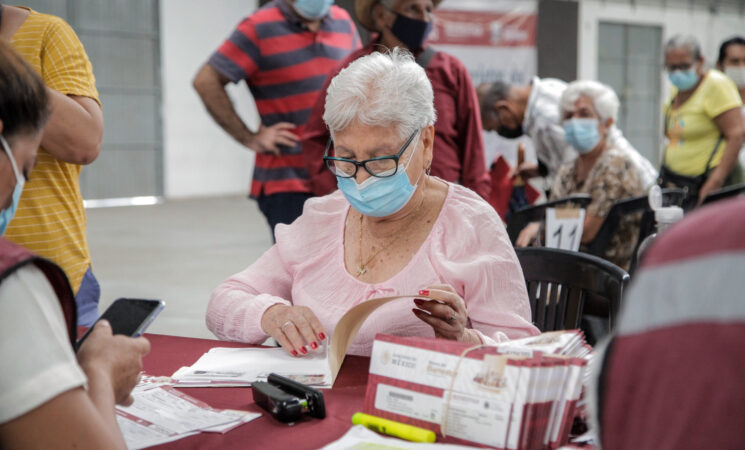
[445,311]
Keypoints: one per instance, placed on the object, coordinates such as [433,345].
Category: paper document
[241,366]
[359,438]
[163,414]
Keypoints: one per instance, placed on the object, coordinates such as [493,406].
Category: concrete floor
[177,251]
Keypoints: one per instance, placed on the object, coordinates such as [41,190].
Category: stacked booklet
[521,394]
[163,414]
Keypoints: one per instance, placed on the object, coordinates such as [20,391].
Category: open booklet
[222,367]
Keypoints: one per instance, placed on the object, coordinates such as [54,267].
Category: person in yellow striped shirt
[50,219]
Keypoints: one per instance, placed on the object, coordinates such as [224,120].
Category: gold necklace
[362,269]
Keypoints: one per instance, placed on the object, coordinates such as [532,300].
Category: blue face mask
[683,79]
[313,9]
[582,134]
[7,214]
[379,197]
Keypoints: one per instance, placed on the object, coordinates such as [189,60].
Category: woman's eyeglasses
[381,167]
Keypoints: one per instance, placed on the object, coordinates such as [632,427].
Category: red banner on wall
[483,28]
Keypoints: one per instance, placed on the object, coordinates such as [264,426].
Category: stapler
[287,399]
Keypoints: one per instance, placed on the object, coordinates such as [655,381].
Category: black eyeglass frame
[329,160]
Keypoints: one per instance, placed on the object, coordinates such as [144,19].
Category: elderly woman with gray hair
[703,124]
[588,110]
[390,229]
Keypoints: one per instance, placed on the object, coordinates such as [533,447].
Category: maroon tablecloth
[168,353]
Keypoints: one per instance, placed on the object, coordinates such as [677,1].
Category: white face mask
[736,74]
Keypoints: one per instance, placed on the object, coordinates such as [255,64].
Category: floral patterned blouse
[614,177]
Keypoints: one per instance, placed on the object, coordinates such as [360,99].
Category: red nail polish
[424,292]
[303,350]
[418,301]
[313,345]
[293,353]
[321,336]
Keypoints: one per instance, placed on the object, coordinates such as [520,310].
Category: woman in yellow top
[703,124]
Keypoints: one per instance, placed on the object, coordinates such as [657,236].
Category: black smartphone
[128,316]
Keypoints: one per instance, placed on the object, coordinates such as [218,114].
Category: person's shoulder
[271,12]
[317,232]
[464,206]
[467,226]
[333,203]
[318,214]
[615,159]
[713,76]
[553,84]
[339,13]
[43,24]
[717,81]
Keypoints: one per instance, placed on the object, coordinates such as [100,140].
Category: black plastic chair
[626,207]
[522,217]
[728,192]
[563,286]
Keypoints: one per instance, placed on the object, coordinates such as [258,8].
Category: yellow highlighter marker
[392,428]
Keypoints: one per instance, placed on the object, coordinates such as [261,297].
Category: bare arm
[591,227]
[733,130]
[84,419]
[210,85]
[75,128]
[69,420]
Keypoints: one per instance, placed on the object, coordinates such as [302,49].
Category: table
[168,353]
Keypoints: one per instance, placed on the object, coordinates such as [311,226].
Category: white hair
[604,99]
[381,89]
[687,41]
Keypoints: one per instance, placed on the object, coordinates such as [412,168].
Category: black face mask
[411,32]
[510,133]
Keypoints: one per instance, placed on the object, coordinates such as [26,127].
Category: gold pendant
[361,271]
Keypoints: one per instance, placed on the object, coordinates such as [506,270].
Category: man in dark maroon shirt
[458,145]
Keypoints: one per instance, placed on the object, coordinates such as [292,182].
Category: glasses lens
[341,168]
[381,167]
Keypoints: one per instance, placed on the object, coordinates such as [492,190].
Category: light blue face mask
[683,79]
[313,9]
[582,134]
[380,197]
[7,214]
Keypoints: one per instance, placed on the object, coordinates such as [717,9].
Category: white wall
[711,29]
[199,158]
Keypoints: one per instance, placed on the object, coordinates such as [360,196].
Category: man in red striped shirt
[284,51]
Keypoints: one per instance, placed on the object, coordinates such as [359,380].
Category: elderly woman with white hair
[589,110]
[390,229]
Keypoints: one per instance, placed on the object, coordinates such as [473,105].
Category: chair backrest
[628,206]
[561,284]
[522,217]
[729,191]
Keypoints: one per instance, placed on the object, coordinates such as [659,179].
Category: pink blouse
[467,248]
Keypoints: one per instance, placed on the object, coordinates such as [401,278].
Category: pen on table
[393,428]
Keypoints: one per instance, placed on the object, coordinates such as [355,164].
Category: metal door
[630,61]
[122,39]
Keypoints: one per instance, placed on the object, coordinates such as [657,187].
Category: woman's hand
[117,358]
[528,235]
[446,313]
[295,328]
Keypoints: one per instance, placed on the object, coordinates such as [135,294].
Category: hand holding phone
[128,316]
[112,361]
